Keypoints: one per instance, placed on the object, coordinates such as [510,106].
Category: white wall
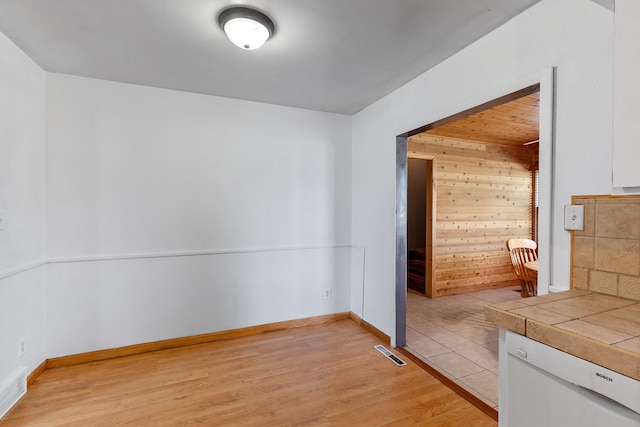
[169,213]
[22,199]
[574,35]
[172,214]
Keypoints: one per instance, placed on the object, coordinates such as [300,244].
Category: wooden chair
[522,243]
[521,252]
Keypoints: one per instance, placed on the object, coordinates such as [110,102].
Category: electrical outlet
[22,346]
[327,293]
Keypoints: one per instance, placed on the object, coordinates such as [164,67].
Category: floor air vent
[12,389]
[395,359]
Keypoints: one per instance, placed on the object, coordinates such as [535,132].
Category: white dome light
[246,28]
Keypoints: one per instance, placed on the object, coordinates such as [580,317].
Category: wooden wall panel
[484,198]
[489,125]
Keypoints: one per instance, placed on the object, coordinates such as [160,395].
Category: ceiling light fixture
[247,28]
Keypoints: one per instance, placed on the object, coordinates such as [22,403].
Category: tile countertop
[602,329]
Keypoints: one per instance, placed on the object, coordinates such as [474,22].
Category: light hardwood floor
[323,375]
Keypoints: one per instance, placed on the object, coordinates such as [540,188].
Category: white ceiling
[328,55]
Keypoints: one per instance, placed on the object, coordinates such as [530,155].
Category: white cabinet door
[626,95]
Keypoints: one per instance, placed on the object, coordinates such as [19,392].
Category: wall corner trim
[386,339]
[22,268]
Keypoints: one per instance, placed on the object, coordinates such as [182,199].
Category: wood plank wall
[484,198]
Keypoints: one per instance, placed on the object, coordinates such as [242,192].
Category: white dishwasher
[541,386]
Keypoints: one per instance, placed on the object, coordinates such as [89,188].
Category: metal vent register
[395,359]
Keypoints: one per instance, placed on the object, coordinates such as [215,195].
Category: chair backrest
[521,243]
[521,256]
[528,279]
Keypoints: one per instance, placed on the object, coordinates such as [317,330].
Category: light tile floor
[450,334]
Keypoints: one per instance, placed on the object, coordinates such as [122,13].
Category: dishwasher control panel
[582,373]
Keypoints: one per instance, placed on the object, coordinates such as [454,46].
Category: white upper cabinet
[626,95]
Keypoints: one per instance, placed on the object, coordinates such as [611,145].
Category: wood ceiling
[513,123]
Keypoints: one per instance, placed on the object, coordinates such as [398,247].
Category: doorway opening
[420,223]
[479,194]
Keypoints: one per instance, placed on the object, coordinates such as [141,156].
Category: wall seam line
[152,255]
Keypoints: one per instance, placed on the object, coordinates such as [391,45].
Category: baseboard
[468,396]
[33,376]
[12,389]
[95,356]
[372,329]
